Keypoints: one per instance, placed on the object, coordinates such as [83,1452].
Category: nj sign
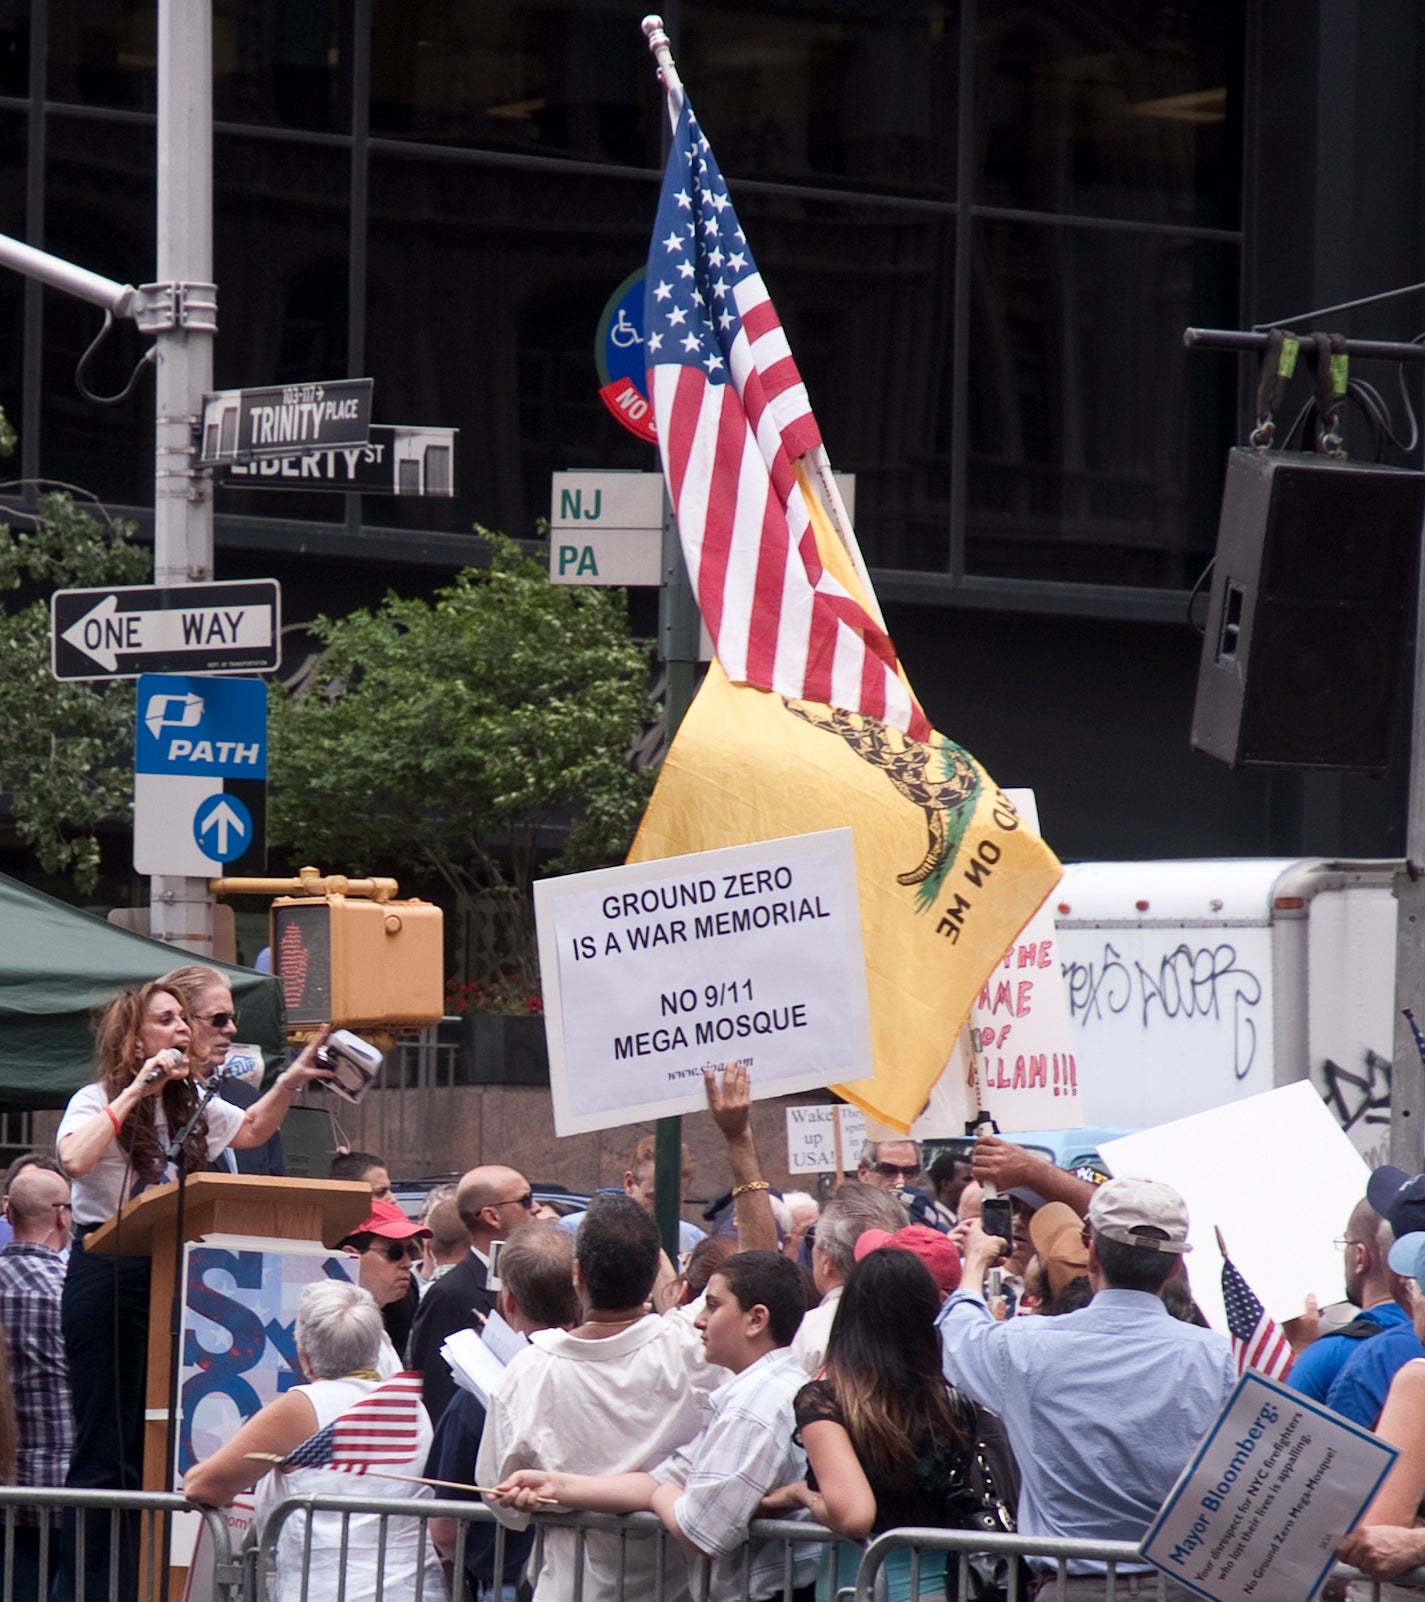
[200,776]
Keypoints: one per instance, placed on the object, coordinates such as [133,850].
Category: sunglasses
[896,1171]
[395,1251]
[219,1020]
[526,1201]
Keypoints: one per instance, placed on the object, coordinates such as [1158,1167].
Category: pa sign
[200,779]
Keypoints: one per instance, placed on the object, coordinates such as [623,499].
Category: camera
[356,1063]
[997,1218]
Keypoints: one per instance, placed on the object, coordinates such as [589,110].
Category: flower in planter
[503,994]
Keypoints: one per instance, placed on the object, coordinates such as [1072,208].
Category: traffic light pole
[180,908]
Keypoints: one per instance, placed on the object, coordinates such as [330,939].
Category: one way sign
[127,630]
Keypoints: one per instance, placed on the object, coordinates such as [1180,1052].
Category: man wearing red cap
[384,1245]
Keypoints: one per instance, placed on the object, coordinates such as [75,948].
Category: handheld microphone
[155,1074]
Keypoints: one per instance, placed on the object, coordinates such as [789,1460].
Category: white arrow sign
[223,818]
[103,632]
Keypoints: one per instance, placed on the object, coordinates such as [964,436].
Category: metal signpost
[125,630]
[200,776]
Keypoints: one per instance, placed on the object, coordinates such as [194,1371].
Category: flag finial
[652,26]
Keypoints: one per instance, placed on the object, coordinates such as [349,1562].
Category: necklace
[613,1323]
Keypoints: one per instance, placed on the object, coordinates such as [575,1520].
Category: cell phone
[997,1218]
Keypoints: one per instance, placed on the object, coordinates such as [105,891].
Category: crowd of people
[872,1361]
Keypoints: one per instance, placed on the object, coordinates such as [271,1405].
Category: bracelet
[114,1119]
[751,1185]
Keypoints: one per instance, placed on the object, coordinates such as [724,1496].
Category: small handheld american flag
[383,1427]
[1257,1340]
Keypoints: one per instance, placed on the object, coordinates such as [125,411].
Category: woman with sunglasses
[213,1027]
[113,1141]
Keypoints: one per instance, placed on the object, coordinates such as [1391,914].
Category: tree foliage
[449,736]
[66,750]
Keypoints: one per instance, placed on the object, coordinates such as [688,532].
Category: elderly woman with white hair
[338,1340]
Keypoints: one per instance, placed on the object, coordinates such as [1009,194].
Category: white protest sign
[1277,1481]
[655,971]
[1276,1173]
[812,1138]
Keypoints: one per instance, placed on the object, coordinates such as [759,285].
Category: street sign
[606,528]
[126,630]
[393,461]
[200,776]
[621,361]
[239,424]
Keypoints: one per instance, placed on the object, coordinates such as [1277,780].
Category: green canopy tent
[57,964]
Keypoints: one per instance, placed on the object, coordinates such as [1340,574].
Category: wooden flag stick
[1221,1244]
[276,1459]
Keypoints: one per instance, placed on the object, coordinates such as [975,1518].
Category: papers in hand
[476,1364]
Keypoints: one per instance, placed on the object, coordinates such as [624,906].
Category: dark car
[410,1194]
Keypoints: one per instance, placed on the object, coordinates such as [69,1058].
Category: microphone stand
[175,1319]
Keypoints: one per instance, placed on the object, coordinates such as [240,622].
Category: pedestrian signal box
[360,964]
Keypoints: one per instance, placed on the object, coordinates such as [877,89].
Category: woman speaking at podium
[114,1140]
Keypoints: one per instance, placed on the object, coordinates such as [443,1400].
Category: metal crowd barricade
[99,1516]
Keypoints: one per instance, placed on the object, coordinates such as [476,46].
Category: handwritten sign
[655,971]
[812,1138]
[1274,1486]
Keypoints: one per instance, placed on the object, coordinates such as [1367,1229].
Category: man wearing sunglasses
[894,1165]
[491,1202]
[386,1245]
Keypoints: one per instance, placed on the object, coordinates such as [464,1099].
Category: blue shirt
[1358,1391]
[1317,1367]
[1103,1406]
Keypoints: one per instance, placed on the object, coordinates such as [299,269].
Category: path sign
[240,424]
[606,528]
[200,775]
[393,461]
[126,630]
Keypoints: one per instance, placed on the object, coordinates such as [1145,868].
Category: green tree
[66,750]
[449,736]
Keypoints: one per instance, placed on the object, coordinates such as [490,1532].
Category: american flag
[1257,1342]
[733,416]
[383,1427]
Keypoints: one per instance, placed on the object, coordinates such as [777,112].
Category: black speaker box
[1309,624]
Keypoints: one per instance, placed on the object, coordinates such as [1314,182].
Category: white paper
[656,971]
[501,1339]
[1277,1174]
[811,1137]
[473,1366]
[1275,1484]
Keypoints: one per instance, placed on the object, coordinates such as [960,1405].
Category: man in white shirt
[853,1210]
[708,1491]
[615,1395]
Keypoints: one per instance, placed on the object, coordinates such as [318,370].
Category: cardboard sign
[824,1139]
[655,971]
[1276,1483]
[1229,1165]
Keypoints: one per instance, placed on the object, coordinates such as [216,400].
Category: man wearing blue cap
[1358,1392]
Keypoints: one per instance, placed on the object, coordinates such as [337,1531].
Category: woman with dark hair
[113,1141]
[887,1439]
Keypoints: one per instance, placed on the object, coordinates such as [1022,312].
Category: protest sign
[1276,1174]
[825,1138]
[655,971]
[1276,1483]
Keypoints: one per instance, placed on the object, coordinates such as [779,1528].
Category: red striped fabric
[382,1428]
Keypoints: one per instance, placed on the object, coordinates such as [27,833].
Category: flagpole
[818,462]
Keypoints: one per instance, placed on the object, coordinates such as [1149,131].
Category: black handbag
[982,1497]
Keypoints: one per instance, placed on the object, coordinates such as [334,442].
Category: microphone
[174,1056]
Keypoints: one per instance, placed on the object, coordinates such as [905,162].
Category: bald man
[491,1202]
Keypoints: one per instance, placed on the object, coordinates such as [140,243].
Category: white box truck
[1195,983]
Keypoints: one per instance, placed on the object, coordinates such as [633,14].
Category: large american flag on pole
[382,1428]
[1257,1340]
[733,416]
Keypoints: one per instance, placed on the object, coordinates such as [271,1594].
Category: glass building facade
[985,224]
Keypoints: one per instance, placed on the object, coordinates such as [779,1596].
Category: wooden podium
[214,1204]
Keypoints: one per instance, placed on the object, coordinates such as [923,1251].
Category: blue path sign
[200,775]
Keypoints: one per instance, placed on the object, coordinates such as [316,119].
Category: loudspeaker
[1309,621]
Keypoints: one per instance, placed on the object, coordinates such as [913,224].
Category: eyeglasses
[1341,1242]
[62,1207]
[395,1251]
[897,1171]
[219,1020]
[526,1201]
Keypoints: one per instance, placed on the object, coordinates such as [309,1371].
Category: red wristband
[114,1119]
